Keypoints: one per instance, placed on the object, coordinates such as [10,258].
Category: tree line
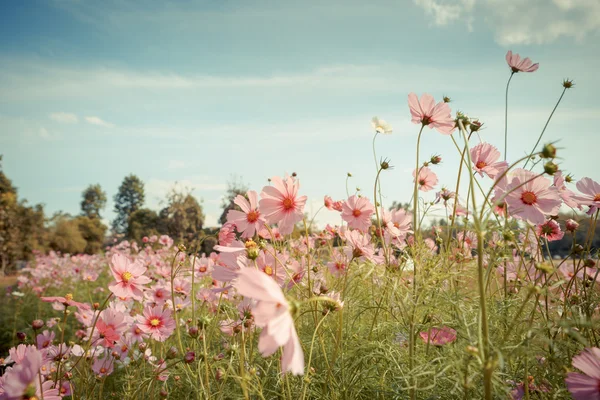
[25,228]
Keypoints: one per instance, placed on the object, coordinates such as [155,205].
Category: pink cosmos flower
[328,202]
[358,245]
[531,197]
[517,65]
[485,160]
[129,277]
[226,234]
[439,336]
[428,113]
[22,380]
[156,322]
[357,211]
[110,326]
[399,223]
[66,301]
[281,204]
[272,313]
[565,194]
[585,386]
[427,179]
[249,220]
[103,366]
[550,230]
[590,192]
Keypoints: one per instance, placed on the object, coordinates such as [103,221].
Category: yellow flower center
[155,322]
[126,276]
[481,164]
[252,216]
[69,296]
[597,197]
[288,203]
[356,213]
[268,270]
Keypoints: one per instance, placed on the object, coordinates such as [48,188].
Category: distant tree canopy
[94,201]
[182,218]
[234,187]
[129,199]
[21,226]
[143,222]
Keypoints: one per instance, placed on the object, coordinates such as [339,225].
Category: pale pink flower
[65,302]
[338,264]
[585,386]
[439,336]
[550,230]
[281,204]
[129,277]
[328,202]
[427,179]
[226,234]
[44,339]
[426,112]
[381,126]
[22,380]
[103,366]
[517,65]
[485,160]
[156,322]
[590,192]
[400,223]
[249,220]
[272,313]
[531,198]
[358,245]
[357,211]
[565,194]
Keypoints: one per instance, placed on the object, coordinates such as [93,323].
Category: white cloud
[98,121]
[64,118]
[517,22]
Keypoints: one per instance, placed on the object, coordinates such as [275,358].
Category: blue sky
[197,91]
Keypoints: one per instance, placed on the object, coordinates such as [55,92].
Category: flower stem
[506,117]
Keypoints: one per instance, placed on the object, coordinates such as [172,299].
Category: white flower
[381,126]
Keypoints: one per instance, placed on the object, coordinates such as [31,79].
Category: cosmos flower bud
[446,99]
[475,125]
[569,178]
[189,357]
[172,352]
[22,336]
[549,151]
[37,324]
[568,83]
[589,263]
[435,160]
[550,168]
[193,331]
[571,225]
[545,267]
[181,247]
[163,393]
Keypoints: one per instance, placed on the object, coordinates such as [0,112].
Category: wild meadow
[388,304]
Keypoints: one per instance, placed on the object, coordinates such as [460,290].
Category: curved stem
[506,117]
[416,186]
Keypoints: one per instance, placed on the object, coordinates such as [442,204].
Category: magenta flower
[427,179]
[281,204]
[439,336]
[357,211]
[590,192]
[585,386]
[156,322]
[485,160]
[531,198]
[517,65]
[550,230]
[272,313]
[129,277]
[249,220]
[426,112]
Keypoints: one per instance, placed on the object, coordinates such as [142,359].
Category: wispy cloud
[64,118]
[98,121]
[517,22]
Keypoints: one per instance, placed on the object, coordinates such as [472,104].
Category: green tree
[128,200]
[234,187]
[94,200]
[143,222]
[65,235]
[93,232]
[182,218]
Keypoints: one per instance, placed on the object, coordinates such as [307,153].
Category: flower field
[388,304]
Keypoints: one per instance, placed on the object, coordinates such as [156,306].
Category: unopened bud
[549,151]
[550,168]
[568,83]
[181,247]
[193,331]
[189,357]
[435,160]
[571,225]
[37,324]
[22,336]
[475,126]
[172,352]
